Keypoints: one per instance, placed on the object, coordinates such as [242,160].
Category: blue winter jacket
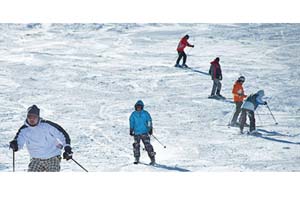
[140,122]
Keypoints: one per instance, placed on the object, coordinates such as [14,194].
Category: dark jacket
[215,70]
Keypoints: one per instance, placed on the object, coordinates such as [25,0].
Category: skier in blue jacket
[141,129]
[248,108]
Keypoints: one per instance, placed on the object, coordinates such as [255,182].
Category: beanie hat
[34,110]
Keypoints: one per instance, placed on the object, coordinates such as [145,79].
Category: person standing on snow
[44,141]
[238,98]
[216,75]
[141,129]
[248,108]
[180,49]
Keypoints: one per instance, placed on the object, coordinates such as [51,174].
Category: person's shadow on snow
[268,136]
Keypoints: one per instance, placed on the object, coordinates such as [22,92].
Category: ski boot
[212,96]
[136,161]
[152,161]
[234,124]
[185,66]
[253,132]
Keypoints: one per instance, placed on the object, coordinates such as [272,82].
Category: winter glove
[68,153]
[265,103]
[221,77]
[13,145]
[150,131]
[192,46]
[131,132]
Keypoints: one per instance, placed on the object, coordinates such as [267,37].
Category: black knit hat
[34,110]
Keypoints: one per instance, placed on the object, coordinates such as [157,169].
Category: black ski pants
[181,54]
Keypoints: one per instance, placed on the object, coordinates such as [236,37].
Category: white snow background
[87,77]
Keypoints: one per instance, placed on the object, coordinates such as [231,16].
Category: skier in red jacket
[180,49]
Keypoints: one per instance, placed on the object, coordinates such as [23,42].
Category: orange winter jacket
[238,92]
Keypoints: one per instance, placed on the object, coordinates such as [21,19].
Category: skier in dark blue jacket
[141,129]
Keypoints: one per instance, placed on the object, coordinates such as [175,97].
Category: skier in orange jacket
[238,97]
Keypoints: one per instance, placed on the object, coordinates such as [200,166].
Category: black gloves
[192,46]
[150,131]
[131,132]
[14,145]
[220,77]
[265,103]
[68,153]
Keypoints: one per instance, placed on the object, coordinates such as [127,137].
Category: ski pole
[13,161]
[231,116]
[79,165]
[158,141]
[272,114]
[259,117]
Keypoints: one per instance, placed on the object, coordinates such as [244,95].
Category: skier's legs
[136,146]
[252,120]
[213,91]
[179,57]
[243,119]
[219,86]
[148,146]
[184,58]
[53,164]
[238,106]
[36,165]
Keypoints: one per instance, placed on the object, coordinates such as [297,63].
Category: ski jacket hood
[215,61]
[261,93]
[139,103]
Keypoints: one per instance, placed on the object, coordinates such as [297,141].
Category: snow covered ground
[87,78]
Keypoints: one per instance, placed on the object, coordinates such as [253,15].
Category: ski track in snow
[87,78]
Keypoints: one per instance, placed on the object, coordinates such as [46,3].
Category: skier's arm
[189,45]
[20,137]
[19,140]
[60,133]
[150,124]
[210,70]
[260,101]
[131,124]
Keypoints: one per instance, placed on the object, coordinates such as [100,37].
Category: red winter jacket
[215,70]
[182,44]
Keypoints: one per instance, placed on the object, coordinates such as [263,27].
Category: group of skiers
[45,140]
[244,107]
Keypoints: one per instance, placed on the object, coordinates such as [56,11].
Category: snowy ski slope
[87,77]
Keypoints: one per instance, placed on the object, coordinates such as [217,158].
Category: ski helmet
[241,79]
[187,36]
[261,93]
[139,103]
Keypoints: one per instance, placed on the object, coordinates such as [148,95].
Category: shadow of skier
[275,133]
[198,71]
[266,137]
[161,166]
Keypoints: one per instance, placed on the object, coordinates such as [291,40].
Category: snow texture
[87,77]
